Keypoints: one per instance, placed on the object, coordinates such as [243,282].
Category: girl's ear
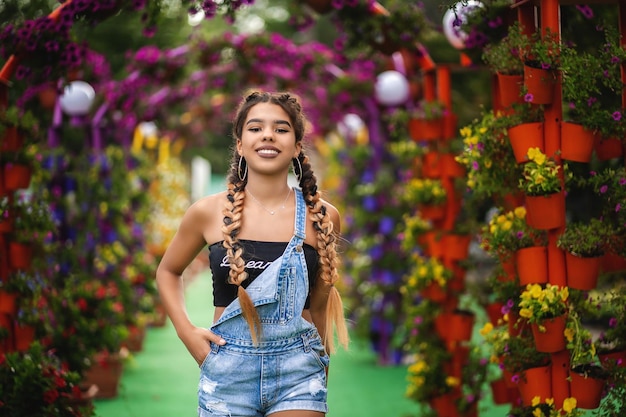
[239,147]
[298,149]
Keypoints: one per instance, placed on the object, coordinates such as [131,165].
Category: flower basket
[434,292]
[8,303]
[456,246]
[16,176]
[576,142]
[539,84]
[546,212]
[582,272]
[535,382]
[524,137]
[426,129]
[549,335]
[20,255]
[532,265]
[456,326]
[586,385]
[607,148]
[509,89]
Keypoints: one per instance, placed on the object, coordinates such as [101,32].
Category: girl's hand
[197,341]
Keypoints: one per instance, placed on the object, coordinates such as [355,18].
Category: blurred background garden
[466,238]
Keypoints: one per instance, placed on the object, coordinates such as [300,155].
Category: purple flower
[612,322]
[603,189]
[585,10]
[617,116]
[618,207]
[622,181]
[528,98]
[515,379]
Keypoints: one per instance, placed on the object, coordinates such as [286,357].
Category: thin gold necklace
[272,212]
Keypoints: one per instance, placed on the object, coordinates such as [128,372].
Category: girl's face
[268,142]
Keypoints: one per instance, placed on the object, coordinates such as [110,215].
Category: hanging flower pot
[434,292]
[8,302]
[576,142]
[460,325]
[608,148]
[6,224]
[613,358]
[535,382]
[525,136]
[546,212]
[12,140]
[549,335]
[20,255]
[16,176]
[432,211]
[586,385]
[539,85]
[510,89]
[494,312]
[460,358]
[445,405]
[582,272]
[499,391]
[450,126]
[425,129]
[450,167]
[532,265]
[456,246]
[23,337]
[431,165]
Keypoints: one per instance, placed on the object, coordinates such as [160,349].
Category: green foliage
[586,239]
[503,56]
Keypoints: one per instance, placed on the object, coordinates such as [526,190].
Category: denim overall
[286,371]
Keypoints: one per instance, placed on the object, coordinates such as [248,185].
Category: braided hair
[326,238]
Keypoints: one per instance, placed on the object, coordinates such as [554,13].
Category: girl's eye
[254,129]
[279,130]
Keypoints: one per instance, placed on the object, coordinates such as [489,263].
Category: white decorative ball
[77,98]
[392,88]
[454,18]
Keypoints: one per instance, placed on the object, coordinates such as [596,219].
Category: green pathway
[160,381]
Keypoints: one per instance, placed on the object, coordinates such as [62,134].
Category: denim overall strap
[265,288]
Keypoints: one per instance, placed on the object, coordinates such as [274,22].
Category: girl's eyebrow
[276,122]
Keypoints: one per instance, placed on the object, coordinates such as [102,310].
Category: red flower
[82,304]
[50,396]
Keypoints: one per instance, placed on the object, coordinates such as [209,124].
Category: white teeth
[267,152]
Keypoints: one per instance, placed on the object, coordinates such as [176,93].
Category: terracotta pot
[500,391]
[105,373]
[432,211]
[20,255]
[524,137]
[136,336]
[426,130]
[540,84]
[445,405]
[510,89]
[450,167]
[576,142]
[582,272]
[546,212]
[532,265]
[16,176]
[460,326]
[587,388]
[8,302]
[613,358]
[450,126]
[494,312]
[12,140]
[434,292]
[608,148]
[431,165]
[535,382]
[456,247]
[23,336]
[552,339]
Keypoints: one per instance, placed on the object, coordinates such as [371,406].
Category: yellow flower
[538,413]
[452,381]
[525,313]
[487,328]
[569,334]
[465,131]
[535,401]
[569,404]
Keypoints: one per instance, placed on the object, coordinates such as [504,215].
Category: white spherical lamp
[392,88]
[350,125]
[454,17]
[77,98]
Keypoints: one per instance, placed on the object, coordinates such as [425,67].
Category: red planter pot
[546,212]
[20,255]
[16,176]
[586,389]
[105,373]
[608,148]
[426,130]
[456,247]
[8,302]
[582,272]
[532,265]
[540,84]
[12,140]
[576,142]
[434,292]
[510,89]
[552,340]
[535,382]
[524,137]
[23,337]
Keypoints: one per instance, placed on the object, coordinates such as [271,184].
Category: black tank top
[258,256]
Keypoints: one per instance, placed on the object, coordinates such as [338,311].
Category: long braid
[233,209]
[327,249]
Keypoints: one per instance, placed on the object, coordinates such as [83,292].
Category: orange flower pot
[434,292]
[608,148]
[426,130]
[546,212]
[456,247]
[20,255]
[582,272]
[535,382]
[576,142]
[586,389]
[552,339]
[510,89]
[8,303]
[532,265]
[23,337]
[16,176]
[540,84]
[525,136]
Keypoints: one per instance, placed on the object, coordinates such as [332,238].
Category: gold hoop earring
[245,172]
[297,169]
